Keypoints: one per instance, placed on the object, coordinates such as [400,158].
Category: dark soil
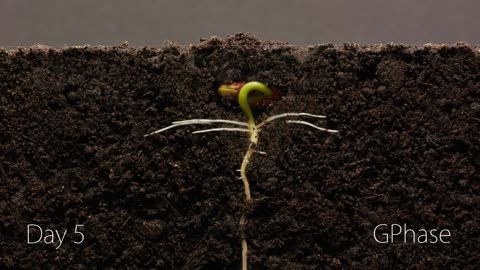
[73,151]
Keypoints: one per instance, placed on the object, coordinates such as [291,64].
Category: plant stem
[248,199]
[253,131]
[243,100]
[243,169]
[243,221]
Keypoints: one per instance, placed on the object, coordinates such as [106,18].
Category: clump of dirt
[73,151]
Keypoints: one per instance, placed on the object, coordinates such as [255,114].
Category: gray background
[152,22]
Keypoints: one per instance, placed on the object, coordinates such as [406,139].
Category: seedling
[247,94]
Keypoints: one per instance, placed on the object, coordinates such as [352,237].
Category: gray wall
[152,22]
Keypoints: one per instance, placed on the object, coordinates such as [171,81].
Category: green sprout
[244,102]
[248,93]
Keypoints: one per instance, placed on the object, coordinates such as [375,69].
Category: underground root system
[253,130]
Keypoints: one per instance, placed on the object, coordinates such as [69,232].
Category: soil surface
[73,152]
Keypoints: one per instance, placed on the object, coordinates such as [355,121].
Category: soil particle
[73,151]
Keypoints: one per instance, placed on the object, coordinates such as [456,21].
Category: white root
[271,118]
[197,121]
[161,130]
[209,121]
[220,129]
[312,125]
[233,122]
[251,149]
